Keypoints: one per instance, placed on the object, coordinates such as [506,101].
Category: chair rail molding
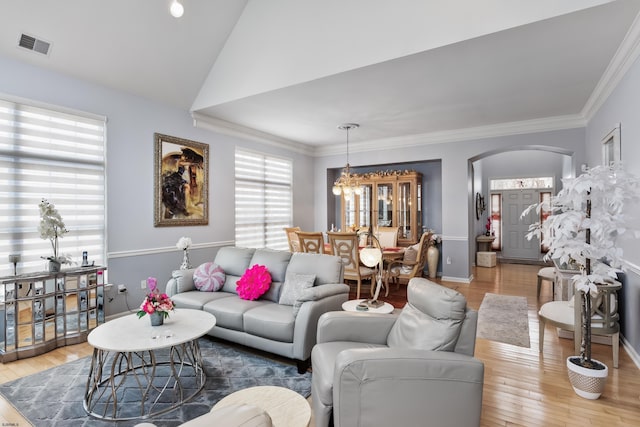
[162,250]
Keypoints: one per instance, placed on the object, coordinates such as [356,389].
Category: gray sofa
[412,369]
[264,323]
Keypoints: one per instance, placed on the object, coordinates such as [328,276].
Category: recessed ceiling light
[176,9]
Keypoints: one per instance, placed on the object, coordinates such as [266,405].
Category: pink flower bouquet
[155,301]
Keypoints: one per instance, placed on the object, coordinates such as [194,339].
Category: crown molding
[480,132]
[202,121]
[625,56]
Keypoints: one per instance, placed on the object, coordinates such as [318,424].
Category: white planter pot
[587,383]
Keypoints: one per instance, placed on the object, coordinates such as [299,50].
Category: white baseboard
[631,352]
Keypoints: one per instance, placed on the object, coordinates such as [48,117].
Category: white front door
[515,228]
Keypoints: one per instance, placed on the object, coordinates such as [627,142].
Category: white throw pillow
[292,288]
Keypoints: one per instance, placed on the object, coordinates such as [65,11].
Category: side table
[351,305]
[484,242]
[285,407]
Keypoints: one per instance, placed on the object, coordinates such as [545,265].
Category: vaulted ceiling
[293,70]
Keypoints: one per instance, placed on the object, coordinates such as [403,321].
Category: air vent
[34,44]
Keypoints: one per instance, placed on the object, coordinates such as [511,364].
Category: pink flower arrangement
[254,282]
[155,301]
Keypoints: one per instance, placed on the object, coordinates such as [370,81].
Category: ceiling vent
[34,44]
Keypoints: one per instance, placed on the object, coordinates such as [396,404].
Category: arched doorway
[513,164]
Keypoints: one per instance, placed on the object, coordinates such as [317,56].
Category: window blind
[60,157]
[263,200]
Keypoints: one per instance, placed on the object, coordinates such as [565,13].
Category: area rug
[504,318]
[54,397]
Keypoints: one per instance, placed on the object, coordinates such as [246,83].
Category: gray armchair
[415,368]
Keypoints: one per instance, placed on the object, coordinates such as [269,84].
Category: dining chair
[567,315]
[547,273]
[311,241]
[412,265]
[388,236]
[345,245]
[292,238]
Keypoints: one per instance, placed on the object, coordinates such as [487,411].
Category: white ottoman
[486,259]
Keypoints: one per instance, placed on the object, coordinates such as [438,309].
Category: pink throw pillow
[209,277]
[254,282]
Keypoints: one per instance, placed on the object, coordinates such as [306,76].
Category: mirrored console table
[42,311]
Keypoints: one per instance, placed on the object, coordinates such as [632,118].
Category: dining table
[388,254]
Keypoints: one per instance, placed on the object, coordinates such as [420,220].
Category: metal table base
[134,385]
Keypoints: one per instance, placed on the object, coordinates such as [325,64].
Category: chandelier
[347,183]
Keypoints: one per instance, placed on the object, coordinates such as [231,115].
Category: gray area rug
[504,318]
[54,397]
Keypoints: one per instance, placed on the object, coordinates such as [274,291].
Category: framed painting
[611,147]
[181,184]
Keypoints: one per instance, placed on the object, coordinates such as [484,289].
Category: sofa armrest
[181,281]
[316,293]
[306,326]
[365,379]
[372,328]
[171,288]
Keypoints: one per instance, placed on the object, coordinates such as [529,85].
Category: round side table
[285,407]
[351,305]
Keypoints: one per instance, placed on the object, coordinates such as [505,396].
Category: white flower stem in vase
[185,260]
[184,243]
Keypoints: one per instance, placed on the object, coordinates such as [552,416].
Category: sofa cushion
[276,262]
[271,321]
[209,277]
[229,312]
[234,260]
[273,293]
[254,282]
[230,283]
[196,299]
[431,319]
[327,268]
[184,280]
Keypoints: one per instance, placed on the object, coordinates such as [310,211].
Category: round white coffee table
[351,305]
[285,407]
[139,370]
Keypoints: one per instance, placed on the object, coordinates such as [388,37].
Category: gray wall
[515,164]
[135,248]
[458,217]
[622,107]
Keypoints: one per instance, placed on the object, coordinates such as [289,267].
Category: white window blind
[58,156]
[263,200]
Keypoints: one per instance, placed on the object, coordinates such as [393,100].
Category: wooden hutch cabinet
[389,199]
[42,311]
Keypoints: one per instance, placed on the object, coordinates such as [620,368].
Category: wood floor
[521,388]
